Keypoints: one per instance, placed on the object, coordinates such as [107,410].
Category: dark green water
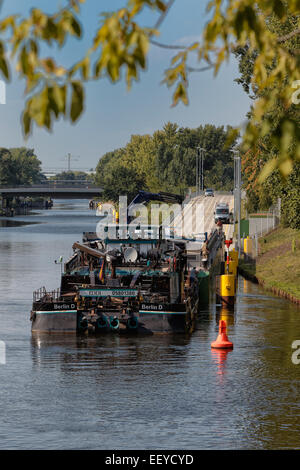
[159,392]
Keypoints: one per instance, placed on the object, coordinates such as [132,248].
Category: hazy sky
[112,113]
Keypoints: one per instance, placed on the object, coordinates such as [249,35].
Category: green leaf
[77,101]
[4,68]
[37,107]
[180,94]
[85,68]
[26,120]
[279,8]
[76,28]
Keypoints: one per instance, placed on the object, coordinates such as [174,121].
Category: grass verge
[278,265]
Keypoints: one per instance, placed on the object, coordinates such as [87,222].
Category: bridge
[54,190]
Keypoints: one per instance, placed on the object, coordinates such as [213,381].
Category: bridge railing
[83,184]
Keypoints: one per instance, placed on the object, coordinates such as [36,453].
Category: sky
[112,113]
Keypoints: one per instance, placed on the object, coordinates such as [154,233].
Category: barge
[124,285]
[145,281]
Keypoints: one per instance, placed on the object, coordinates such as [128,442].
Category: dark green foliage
[260,195]
[73,176]
[290,199]
[166,161]
[246,63]
[122,181]
[19,166]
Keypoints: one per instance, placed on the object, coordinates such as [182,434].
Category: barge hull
[55,321]
[163,322]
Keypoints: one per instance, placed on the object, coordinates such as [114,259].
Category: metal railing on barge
[47,296]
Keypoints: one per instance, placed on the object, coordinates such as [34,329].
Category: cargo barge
[142,282]
[144,285]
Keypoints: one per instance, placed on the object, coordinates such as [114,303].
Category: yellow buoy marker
[227,289]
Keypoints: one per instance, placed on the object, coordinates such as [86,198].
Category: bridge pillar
[5,202]
[7,208]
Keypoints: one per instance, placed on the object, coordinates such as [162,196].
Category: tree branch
[201,69]
[178,47]
[163,15]
[289,36]
[167,46]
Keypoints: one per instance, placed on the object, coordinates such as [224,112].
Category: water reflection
[227,315]
[14,223]
[103,353]
[219,357]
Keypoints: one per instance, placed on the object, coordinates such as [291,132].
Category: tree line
[72,176]
[19,166]
[166,161]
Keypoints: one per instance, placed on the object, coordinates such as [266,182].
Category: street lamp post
[200,169]
[237,193]
[197,170]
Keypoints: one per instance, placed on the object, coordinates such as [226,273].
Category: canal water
[158,392]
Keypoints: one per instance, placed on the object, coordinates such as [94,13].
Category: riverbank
[277,267]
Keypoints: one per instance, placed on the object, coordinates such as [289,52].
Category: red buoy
[222,341]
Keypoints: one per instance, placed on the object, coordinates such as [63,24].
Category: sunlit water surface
[158,392]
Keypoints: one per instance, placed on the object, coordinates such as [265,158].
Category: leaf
[26,120]
[85,68]
[48,64]
[59,95]
[232,135]
[76,28]
[37,107]
[180,94]
[286,167]
[76,101]
[23,61]
[279,8]
[4,68]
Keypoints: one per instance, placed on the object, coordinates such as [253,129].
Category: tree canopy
[166,161]
[262,192]
[120,48]
[19,166]
[73,176]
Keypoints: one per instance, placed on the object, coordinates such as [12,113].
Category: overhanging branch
[167,46]
[164,14]
[289,36]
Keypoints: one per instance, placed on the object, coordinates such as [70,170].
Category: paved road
[199,215]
